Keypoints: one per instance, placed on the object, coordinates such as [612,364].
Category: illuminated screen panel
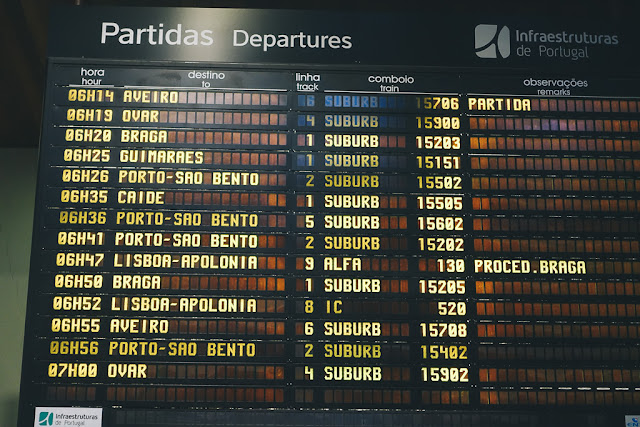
[232,229]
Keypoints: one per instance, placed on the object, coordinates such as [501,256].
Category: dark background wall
[17,193]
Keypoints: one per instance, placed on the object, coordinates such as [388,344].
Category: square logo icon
[492,41]
[45,418]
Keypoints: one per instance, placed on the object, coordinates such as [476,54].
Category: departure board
[317,218]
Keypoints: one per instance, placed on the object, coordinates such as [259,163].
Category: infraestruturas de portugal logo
[67,417]
[496,41]
[493,41]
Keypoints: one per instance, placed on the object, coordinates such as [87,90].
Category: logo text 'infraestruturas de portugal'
[492,41]
[496,41]
[67,417]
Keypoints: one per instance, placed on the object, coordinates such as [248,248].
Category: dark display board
[261,218]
